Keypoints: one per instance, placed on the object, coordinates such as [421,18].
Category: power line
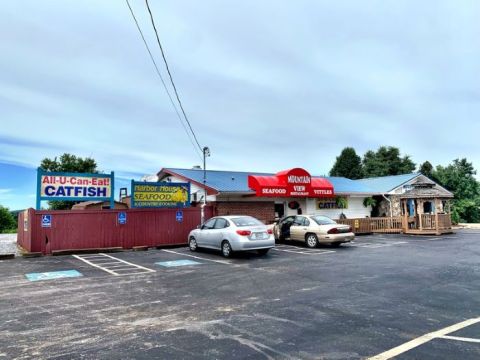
[163,82]
[170,75]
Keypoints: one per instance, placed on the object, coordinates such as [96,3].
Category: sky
[267,85]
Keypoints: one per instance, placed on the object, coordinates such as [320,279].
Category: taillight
[244,232]
[332,231]
[270,231]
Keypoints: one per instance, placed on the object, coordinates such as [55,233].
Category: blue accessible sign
[179,216]
[122,218]
[47,221]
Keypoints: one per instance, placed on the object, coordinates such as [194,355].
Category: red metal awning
[295,182]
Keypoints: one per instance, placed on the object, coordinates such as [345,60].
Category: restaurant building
[268,196]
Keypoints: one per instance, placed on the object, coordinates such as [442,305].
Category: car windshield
[323,220]
[246,221]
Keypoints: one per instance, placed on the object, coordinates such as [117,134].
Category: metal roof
[385,184]
[237,181]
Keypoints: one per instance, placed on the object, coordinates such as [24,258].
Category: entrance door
[279,210]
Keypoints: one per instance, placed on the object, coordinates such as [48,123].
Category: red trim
[210,190]
[295,182]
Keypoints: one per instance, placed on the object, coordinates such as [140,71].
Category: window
[209,224]
[246,221]
[221,223]
[323,220]
[299,221]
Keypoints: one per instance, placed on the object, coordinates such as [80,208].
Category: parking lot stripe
[113,266]
[424,339]
[307,252]
[460,338]
[198,257]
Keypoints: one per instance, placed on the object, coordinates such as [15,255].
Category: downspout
[390,203]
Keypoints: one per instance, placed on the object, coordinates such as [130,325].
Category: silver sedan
[232,233]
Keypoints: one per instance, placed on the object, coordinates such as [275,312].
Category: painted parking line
[113,265]
[374,245]
[458,338]
[225,262]
[53,275]
[303,251]
[439,334]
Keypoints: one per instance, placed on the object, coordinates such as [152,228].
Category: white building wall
[194,189]
[355,209]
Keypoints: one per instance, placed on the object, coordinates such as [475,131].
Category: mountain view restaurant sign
[295,182]
[74,187]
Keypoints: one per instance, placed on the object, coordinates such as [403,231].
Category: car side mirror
[199,226]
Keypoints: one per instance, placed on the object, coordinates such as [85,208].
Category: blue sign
[175,263]
[47,221]
[122,218]
[52,275]
[179,216]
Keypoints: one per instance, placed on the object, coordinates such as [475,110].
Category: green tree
[386,161]
[348,164]
[426,169]
[7,221]
[68,163]
[459,178]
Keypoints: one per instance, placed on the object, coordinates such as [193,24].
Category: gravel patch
[8,244]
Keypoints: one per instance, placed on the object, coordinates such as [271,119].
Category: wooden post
[405,216]
[420,213]
[437,227]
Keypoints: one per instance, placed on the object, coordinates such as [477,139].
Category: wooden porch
[424,224]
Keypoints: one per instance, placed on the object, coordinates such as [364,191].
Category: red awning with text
[295,182]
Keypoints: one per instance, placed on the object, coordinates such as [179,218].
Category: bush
[7,221]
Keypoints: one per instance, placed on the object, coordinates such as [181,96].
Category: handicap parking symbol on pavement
[179,215]
[46,220]
[175,263]
[52,275]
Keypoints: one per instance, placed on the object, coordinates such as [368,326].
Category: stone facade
[384,206]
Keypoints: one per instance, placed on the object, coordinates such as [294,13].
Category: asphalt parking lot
[394,296]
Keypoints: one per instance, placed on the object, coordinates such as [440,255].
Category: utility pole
[206,152]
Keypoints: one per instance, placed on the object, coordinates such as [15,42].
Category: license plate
[259,236]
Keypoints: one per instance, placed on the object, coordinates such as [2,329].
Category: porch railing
[369,225]
[397,224]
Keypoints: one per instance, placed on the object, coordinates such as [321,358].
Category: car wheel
[263,251]
[192,244]
[311,240]
[226,249]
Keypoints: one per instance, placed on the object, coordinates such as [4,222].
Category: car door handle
[305,228]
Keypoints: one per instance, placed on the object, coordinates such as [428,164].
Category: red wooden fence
[77,229]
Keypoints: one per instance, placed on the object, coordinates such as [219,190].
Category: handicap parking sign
[179,216]
[122,218]
[46,220]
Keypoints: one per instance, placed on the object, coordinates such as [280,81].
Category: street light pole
[206,152]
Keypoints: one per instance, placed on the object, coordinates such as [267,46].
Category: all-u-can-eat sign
[74,187]
[160,194]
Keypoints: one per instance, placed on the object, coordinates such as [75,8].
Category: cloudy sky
[267,85]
